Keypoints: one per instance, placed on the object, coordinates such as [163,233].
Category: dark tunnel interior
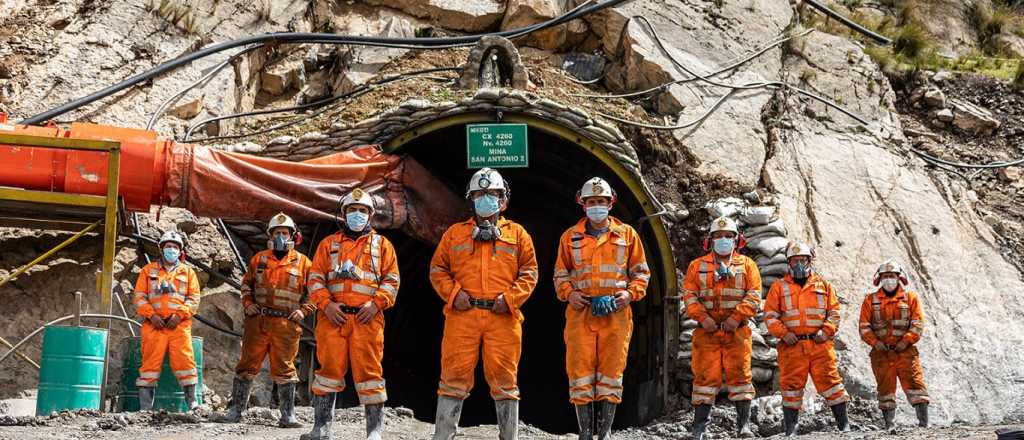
[542,200]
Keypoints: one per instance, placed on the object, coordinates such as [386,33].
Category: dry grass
[180,14]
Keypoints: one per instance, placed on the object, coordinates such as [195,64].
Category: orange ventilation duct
[214,183]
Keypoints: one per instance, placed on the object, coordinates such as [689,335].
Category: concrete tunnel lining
[561,159]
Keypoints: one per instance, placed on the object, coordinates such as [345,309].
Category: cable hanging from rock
[585,8]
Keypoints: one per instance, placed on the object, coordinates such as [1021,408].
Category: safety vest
[367,279]
[281,287]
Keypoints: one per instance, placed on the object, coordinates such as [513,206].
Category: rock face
[949,22]
[1012,45]
[463,15]
[731,142]
[522,13]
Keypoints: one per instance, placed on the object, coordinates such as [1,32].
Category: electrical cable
[324,101]
[988,166]
[849,23]
[303,37]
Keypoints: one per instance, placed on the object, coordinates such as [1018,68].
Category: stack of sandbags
[766,242]
[685,354]
[764,359]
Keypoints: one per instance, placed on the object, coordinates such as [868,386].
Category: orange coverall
[484,270]
[362,345]
[738,297]
[892,320]
[804,311]
[277,285]
[165,293]
[597,347]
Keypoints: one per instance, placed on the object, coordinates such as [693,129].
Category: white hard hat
[485,179]
[172,237]
[797,248]
[596,187]
[890,266]
[357,197]
[724,224]
[280,220]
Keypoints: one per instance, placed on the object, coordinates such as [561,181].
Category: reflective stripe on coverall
[892,320]
[164,293]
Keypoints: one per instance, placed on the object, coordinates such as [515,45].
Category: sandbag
[777,227]
[767,260]
[768,245]
[758,215]
[775,270]
[728,207]
[690,324]
[761,375]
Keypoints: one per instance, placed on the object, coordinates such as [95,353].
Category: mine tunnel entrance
[542,200]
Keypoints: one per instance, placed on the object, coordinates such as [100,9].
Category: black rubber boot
[585,417]
[701,414]
[889,415]
[286,402]
[922,414]
[604,428]
[239,401]
[790,420]
[323,417]
[190,397]
[842,421]
[743,419]
[146,397]
[374,421]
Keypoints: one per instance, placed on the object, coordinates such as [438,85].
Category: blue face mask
[280,243]
[724,246]
[486,205]
[171,255]
[800,271]
[357,221]
[597,214]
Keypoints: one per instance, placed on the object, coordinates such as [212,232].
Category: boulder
[522,13]
[1012,45]
[973,118]
[463,15]
[945,115]
[934,98]
[188,110]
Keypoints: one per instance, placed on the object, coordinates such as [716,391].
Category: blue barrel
[71,373]
[169,395]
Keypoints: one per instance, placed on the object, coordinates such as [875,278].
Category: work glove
[709,325]
[576,300]
[367,312]
[880,346]
[602,305]
[461,301]
[157,321]
[296,316]
[790,339]
[252,310]
[730,325]
[902,345]
[820,337]
[334,313]
[500,305]
[622,300]
[173,321]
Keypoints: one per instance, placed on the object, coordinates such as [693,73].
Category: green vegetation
[1018,77]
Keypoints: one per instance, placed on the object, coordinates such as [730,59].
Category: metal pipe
[50,252]
[120,303]
[58,321]
[20,354]
[78,309]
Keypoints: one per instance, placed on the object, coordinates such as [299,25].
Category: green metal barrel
[71,373]
[169,395]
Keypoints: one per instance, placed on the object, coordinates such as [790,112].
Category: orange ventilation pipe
[234,186]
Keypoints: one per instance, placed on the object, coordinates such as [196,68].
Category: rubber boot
[743,419]
[889,415]
[585,417]
[922,414]
[790,420]
[446,421]
[842,421]
[604,428]
[239,401]
[190,397]
[323,417]
[286,402]
[508,419]
[701,414]
[146,396]
[374,421]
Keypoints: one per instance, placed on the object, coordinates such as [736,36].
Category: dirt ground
[400,425]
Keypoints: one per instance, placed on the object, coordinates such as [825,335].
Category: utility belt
[349,309]
[805,337]
[274,313]
[482,303]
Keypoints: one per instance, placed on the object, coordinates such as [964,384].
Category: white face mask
[889,284]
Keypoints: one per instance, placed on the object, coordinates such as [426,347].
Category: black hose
[307,37]
[849,23]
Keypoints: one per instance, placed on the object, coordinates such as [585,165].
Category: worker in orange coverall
[353,279]
[273,298]
[600,269]
[166,296]
[802,310]
[722,292]
[484,269]
[891,323]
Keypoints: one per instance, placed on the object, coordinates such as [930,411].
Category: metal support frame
[54,200]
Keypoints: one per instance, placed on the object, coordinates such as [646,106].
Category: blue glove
[602,305]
